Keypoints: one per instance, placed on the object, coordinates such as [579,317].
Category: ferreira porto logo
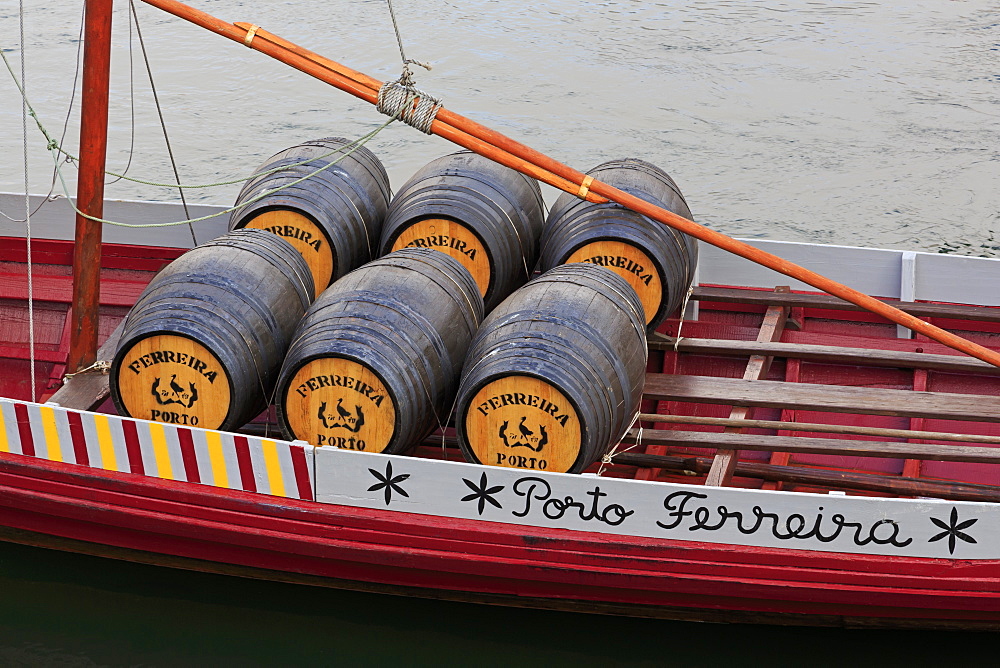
[172,379]
[173,393]
[523,437]
[522,422]
[341,418]
[340,403]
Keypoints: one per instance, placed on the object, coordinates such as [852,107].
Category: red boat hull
[193,526]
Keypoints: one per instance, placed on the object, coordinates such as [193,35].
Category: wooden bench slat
[919,309]
[817,446]
[834,398]
[800,475]
[830,354]
[60,289]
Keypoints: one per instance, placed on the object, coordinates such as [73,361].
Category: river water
[78,611]
[859,123]
[856,123]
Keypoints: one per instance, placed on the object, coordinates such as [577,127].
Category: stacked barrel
[375,361]
[656,260]
[555,373]
[485,215]
[373,355]
[203,344]
[326,197]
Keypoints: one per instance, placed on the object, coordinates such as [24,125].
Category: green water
[70,610]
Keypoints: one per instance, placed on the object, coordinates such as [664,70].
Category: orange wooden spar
[506,151]
[356,84]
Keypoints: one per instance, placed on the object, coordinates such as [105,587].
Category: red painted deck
[125,272]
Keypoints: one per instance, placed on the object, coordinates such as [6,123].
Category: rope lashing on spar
[401,98]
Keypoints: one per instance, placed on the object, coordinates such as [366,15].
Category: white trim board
[728,516]
[874,271]
[56,219]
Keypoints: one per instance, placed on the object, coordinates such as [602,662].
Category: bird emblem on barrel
[523,437]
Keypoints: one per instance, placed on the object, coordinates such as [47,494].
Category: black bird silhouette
[524,430]
[174,386]
[343,412]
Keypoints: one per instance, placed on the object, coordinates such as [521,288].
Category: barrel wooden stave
[333,218]
[236,300]
[576,332]
[407,320]
[657,260]
[480,204]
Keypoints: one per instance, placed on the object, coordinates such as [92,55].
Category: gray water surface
[856,123]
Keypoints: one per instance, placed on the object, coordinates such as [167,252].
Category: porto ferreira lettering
[305,236]
[340,403]
[630,263]
[172,379]
[523,422]
[453,239]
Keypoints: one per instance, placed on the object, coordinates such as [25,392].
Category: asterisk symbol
[388,482]
[482,493]
[953,530]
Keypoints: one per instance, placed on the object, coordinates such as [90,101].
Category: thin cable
[407,78]
[27,207]
[76,79]
[354,146]
[163,123]
[131,98]
[55,170]
[53,145]
[395,26]
[69,158]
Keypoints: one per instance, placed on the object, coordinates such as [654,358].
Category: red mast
[90,186]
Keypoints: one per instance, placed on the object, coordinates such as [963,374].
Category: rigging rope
[163,123]
[49,197]
[53,146]
[401,98]
[357,143]
[131,99]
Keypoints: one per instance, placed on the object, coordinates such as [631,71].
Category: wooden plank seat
[813,445]
[46,287]
[827,354]
[791,299]
[822,478]
[835,398]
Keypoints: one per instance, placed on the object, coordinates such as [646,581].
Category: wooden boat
[913,542]
[796,461]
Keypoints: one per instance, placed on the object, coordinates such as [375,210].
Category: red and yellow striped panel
[247,463]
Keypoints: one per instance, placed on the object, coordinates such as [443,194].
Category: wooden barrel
[334,218]
[555,373]
[203,344]
[485,215]
[656,260]
[375,362]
